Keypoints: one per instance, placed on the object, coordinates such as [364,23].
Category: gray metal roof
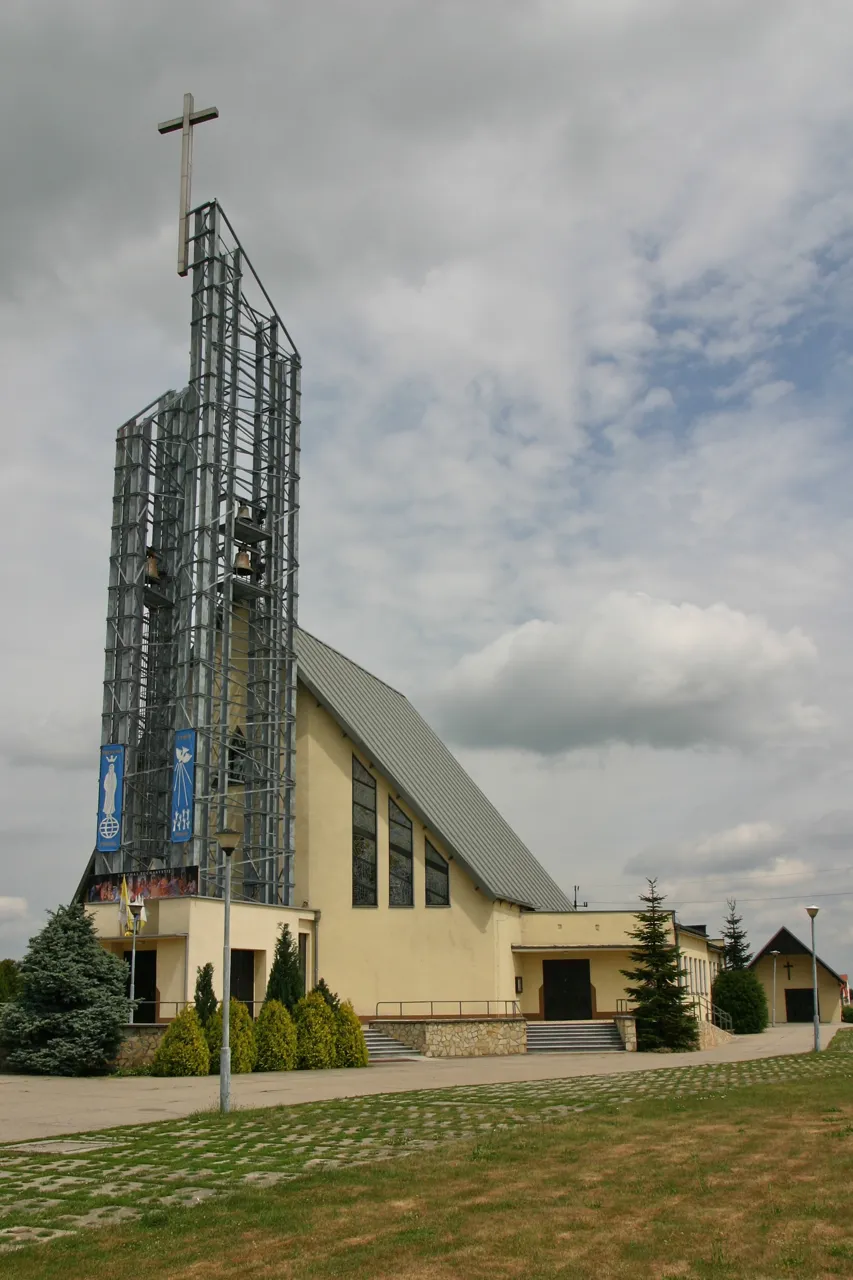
[391,733]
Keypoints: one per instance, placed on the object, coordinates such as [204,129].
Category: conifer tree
[10,980]
[736,952]
[72,1007]
[285,981]
[204,1000]
[664,1018]
[328,995]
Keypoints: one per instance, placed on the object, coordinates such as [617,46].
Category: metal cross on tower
[186,123]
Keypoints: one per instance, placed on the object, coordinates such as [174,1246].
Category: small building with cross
[794,1000]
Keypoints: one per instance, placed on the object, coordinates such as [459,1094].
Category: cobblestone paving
[48,1189]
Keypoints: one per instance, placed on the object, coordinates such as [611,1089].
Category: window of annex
[401,883]
[437,878]
[363,836]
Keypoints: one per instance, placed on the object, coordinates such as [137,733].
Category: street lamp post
[775,955]
[812,911]
[227,841]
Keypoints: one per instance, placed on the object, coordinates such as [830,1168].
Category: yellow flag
[125,924]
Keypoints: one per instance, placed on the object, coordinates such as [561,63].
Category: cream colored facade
[799,978]
[478,954]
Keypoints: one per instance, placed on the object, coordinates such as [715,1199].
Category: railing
[448,1008]
[151,1012]
[703,1010]
[722,1019]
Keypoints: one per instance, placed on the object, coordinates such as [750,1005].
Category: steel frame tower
[203,586]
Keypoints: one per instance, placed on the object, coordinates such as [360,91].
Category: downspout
[316,949]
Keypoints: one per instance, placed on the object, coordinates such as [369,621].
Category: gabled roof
[788,945]
[402,746]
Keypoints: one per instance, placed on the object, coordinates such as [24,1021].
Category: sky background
[572,286]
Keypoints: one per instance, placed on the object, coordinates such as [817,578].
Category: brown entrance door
[799,1004]
[567,990]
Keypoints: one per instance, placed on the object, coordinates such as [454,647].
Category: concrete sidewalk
[34,1107]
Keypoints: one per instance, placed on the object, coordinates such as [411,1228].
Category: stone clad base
[710,1036]
[138,1046]
[457,1037]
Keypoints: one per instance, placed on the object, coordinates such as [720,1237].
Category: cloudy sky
[572,285]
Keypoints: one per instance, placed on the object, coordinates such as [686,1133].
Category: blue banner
[110,797]
[183,786]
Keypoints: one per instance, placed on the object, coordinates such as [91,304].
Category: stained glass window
[363,836]
[401,889]
[437,878]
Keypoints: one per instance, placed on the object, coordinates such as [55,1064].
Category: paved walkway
[34,1107]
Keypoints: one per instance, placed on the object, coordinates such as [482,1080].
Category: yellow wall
[384,953]
[196,929]
[829,991]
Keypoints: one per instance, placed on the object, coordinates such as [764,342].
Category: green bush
[10,980]
[350,1044]
[847,1013]
[183,1050]
[275,1037]
[315,1033]
[69,1014]
[328,995]
[286,983]
[204,999]
[740,993]
[241,1035]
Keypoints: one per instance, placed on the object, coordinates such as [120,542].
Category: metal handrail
[493,1008]
[168,1010]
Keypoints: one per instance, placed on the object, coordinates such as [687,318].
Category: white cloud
[634,670]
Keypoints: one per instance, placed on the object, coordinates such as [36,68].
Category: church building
[413,896]
[226,727]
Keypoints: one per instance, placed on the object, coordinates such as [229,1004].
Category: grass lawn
[735,1171]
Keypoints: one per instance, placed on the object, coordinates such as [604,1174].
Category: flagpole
[133,967]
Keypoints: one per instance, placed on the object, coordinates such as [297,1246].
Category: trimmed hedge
[315,1033]
[350,1044]
[740,993]
[242,1037]
[275,1037]
[183,1050]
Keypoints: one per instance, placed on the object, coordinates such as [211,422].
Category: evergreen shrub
[285,982]
[664,1018]
[241,1035]
[10,980]
[183,1050]
[350,1044]
[740,993]
[315,1033]
[275,1037]
[204,999]
[332,1000]
[70,1012]
[847,1013]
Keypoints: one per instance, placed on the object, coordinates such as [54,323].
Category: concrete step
[384,1048]
[598,1036]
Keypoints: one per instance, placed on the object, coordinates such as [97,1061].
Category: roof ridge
[351,662]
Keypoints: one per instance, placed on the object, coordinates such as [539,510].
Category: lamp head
[227,839]
[774,953]
[812,911]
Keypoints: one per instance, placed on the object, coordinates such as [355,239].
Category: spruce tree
[285,980]
[736,952]
[332,1000]
[204,1000]
[72,1007]
[10,980]
[664,1018]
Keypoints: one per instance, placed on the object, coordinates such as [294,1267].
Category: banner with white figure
[110,798]
[183,785]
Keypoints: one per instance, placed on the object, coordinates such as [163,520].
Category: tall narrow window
[363,836]
[401,889]
[437,878]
